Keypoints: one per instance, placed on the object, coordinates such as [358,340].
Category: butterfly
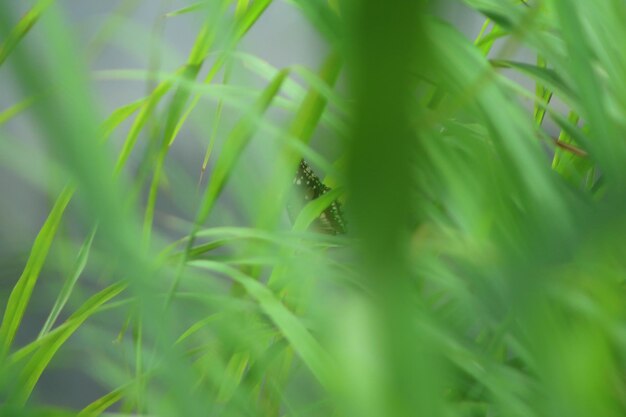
[308,188]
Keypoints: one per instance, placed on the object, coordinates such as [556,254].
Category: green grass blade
[607,152]
[195,7]
[69,284]
[22,291]
[142,118]
[246,17]
[309,350]
[119,115]
[543,93]
[578,169]
[219,63]
[39,361]
[235,143]
[314,209]
[196,327]
[15,109]
[323,84]
[485,42]
[202,45]
[312,108]
[22,28]
[234,373]
[214,129]
[103,403]
[548,77]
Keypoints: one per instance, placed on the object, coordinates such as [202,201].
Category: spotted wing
[309,187]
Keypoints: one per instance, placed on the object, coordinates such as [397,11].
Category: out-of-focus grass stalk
[381,58]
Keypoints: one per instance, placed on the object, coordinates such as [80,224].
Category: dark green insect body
[309,187]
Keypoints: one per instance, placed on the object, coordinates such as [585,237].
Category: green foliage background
[483,271]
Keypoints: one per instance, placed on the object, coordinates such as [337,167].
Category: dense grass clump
[454,245]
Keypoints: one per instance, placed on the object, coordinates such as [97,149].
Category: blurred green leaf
[22,28]
[303,343]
